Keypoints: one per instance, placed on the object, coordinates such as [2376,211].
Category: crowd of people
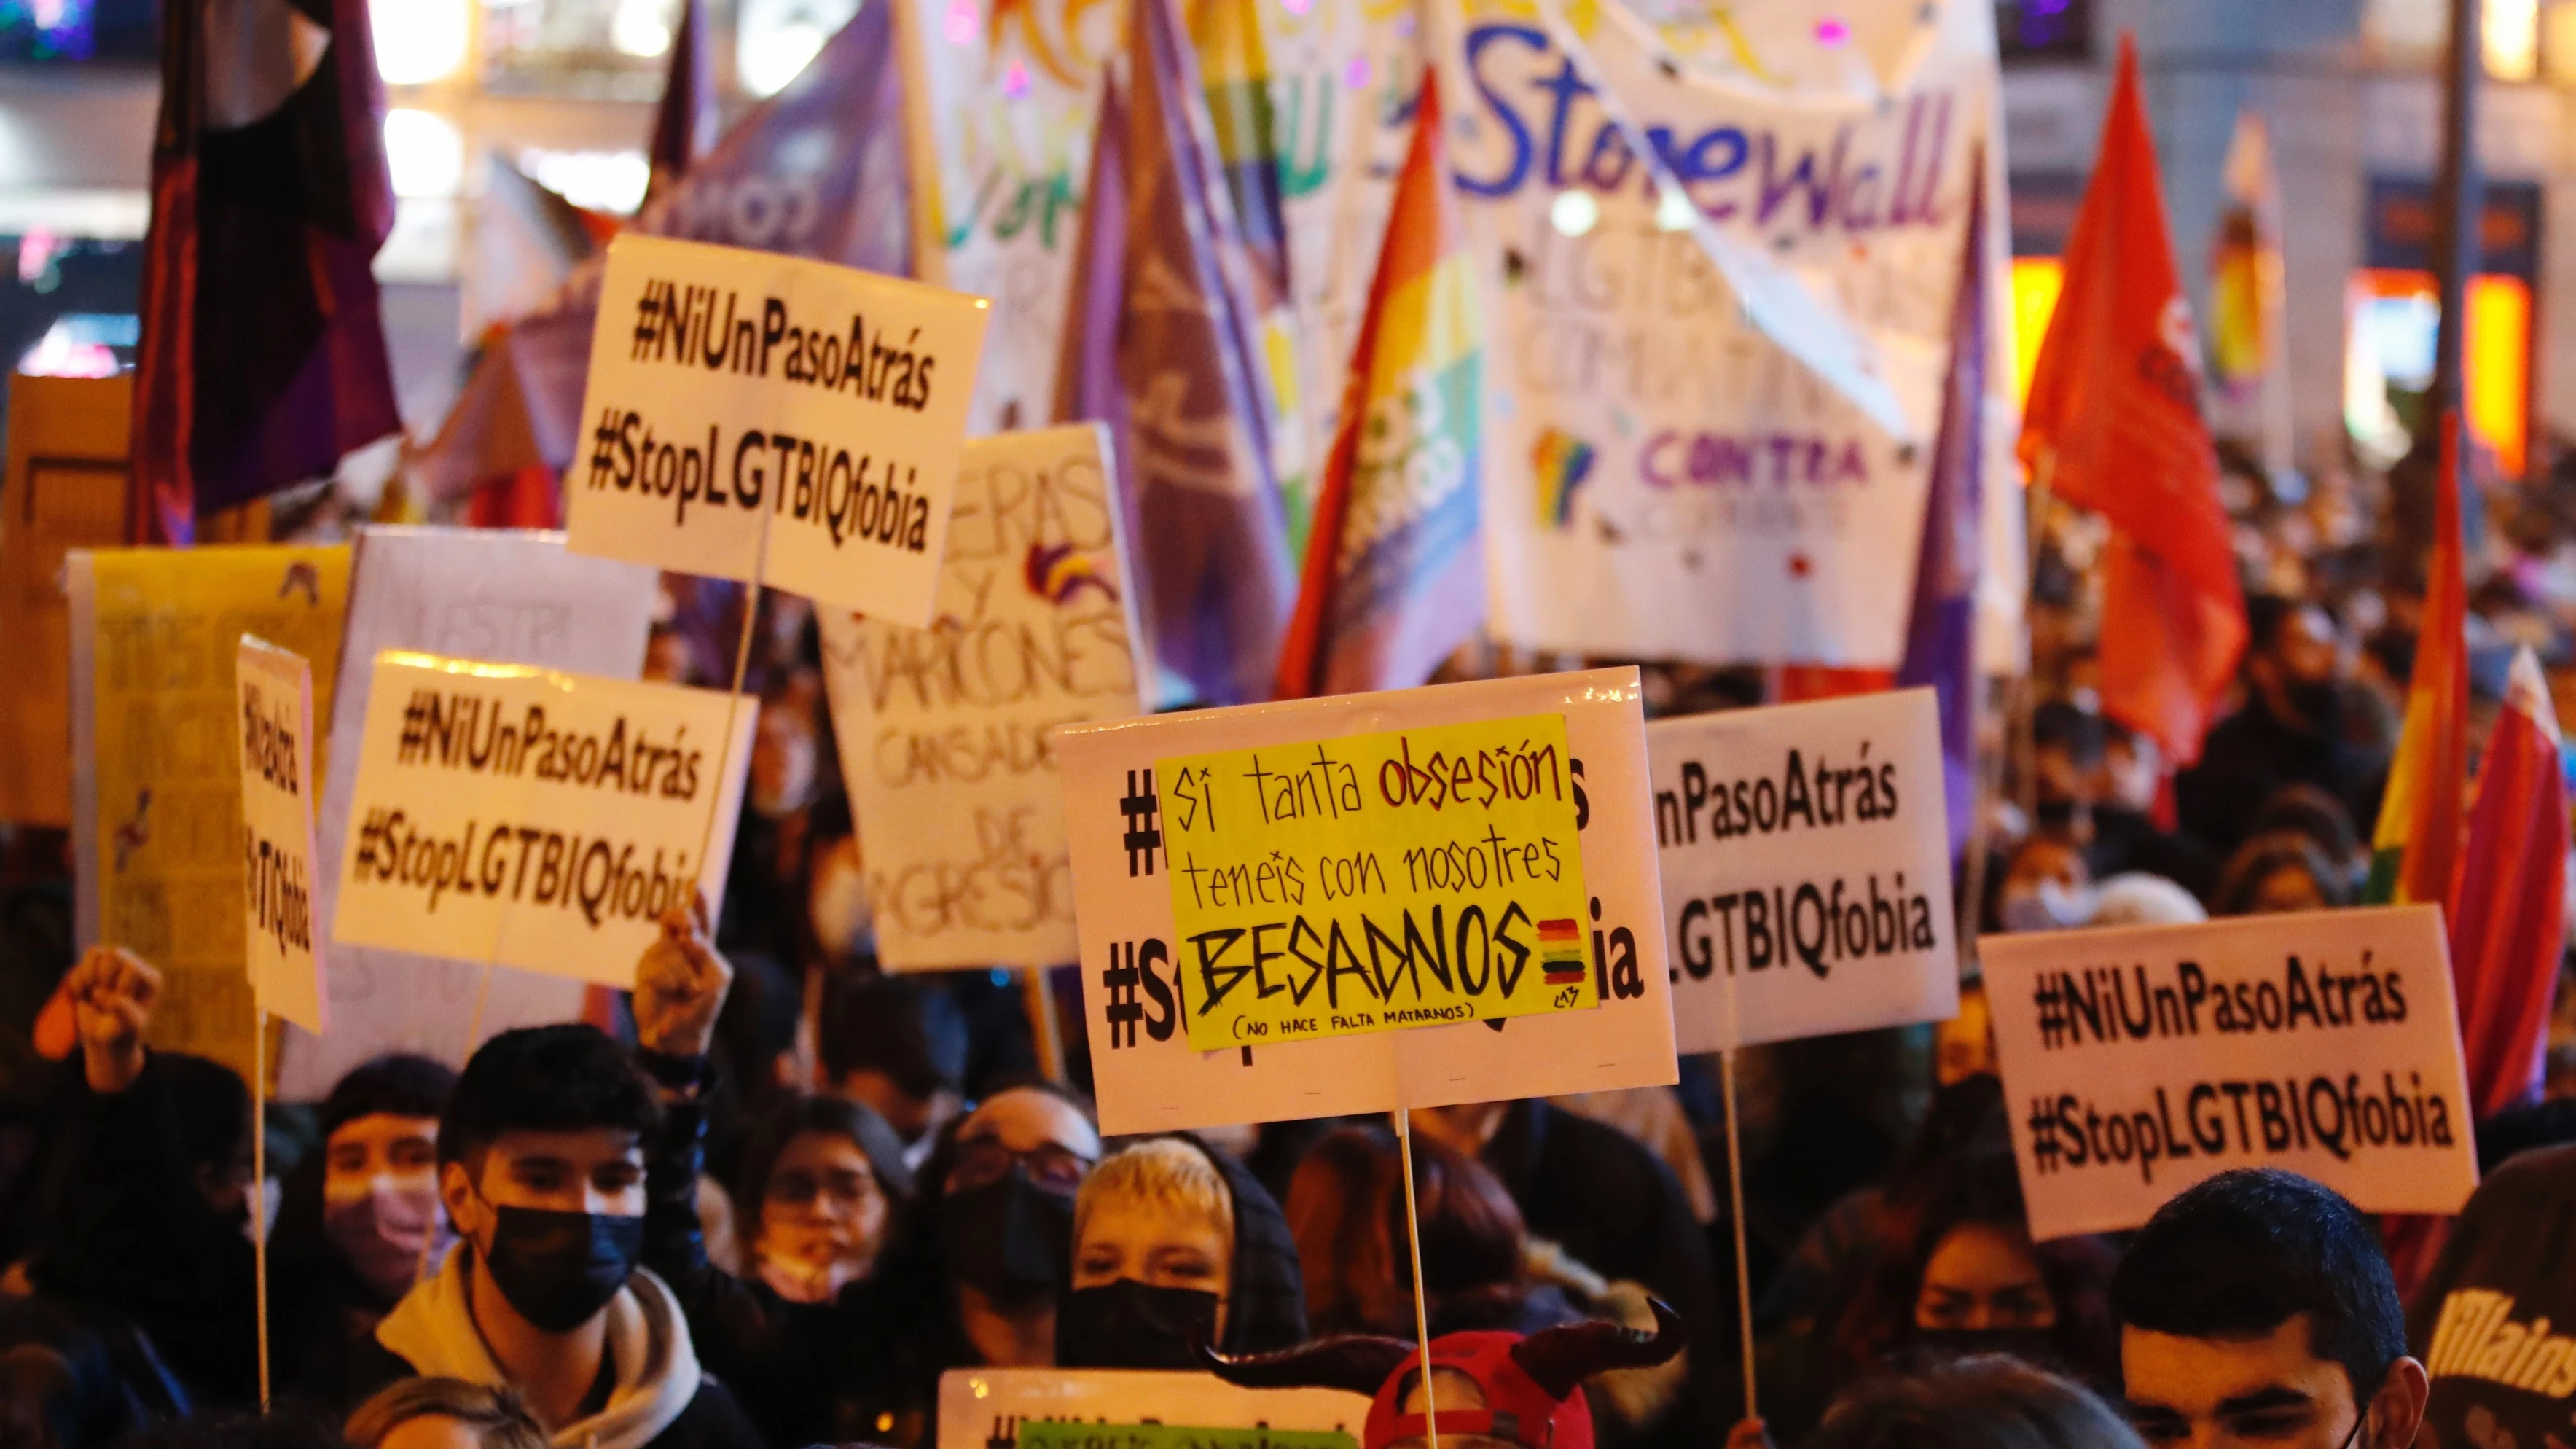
[785,1193]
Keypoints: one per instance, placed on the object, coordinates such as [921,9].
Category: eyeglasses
[1050,1165]
[803,1189]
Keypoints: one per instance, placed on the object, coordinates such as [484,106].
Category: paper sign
[2138,1062]
[278,853]
[1144,984]
[945,732]
[156,777]
[483,593]
[1051,1434]
[989,1408]
[729,386]
[1806,864]
[534,818]
[1329,864]
[65,489]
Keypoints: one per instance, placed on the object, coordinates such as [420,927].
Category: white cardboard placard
[945,732]
[278,854]
[1806,867]
[2137,1062]
[534,818]
[1149,1078]
[728,386]
[983,1408]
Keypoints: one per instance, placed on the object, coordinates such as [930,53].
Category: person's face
[2046,860]
[430,1431]
[1038,1129]
[1982,1278]
[782,760]
[2287,888]
[2061,780]
[911,1117]
[822,1207]
[1158,1245]
[378,1145]
[596,1170]
[2208,1393]
[2132,769]
[2306,650]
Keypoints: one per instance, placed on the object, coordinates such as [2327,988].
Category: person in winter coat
[1177,1248]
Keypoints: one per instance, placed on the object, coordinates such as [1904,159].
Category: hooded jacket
[661,1398]
[1266,1295]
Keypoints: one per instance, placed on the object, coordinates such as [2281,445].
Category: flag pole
[1037,993]
[1421,1301]
[259,1189]
[2458,210]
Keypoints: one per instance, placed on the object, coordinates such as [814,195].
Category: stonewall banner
[2138,1062]
[1806,866]
[156,758]
[530,818]
[277,784]
[1008,1408]
[1366,902]
[945,732]
[730,386]
[1681,465]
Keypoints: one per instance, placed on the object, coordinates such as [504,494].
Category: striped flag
[2413,851]
[2509,907]
[1394,577]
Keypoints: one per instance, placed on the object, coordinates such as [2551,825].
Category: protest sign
[1006,1408]
[2138,1062]
[156,773]
[1682,467]
[1806,866]
[65,489]
[945,732]
[1382,926]
[734,391]
[533,818]
[492,594]
[278,854]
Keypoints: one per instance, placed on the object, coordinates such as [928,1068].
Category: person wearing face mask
[1176,1249]
[147,1212]
[817,1182]
[541,1169]
[2044,886]
[2292,730]
[357,1219]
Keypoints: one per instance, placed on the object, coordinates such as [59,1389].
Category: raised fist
[112,993]
[680,985]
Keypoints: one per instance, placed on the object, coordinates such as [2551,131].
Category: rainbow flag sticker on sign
[1560,951]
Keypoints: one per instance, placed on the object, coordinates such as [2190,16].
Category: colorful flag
[2247,370]
[1227,34]
[1157,345]
[1394,577]
[684,125]
[263,353]
[2509,904]
[2416,847]
[2113,424]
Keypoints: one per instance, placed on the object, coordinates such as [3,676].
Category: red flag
[2114,425]
[2509,905]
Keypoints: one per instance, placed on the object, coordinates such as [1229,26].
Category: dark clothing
[2125,840]
[1266,1292]
[2250,755]
[712,1420]
[1614,1206]
[2483,1322]
[318,1306]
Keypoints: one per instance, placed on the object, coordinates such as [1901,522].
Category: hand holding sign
[112,992]
[680,986]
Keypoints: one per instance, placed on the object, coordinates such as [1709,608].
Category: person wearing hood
[541,1169]
[1176,1249]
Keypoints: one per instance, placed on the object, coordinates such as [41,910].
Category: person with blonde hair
[443,1413]
[1177,1249]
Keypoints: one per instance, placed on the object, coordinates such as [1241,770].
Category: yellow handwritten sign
[1409,878]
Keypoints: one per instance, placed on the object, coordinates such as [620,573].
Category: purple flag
[1940,639]
[1158,346]
[685,123]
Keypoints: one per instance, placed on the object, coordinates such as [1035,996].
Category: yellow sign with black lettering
[1410,878]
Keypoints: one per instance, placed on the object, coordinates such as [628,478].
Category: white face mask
[2050,906]
[839,904]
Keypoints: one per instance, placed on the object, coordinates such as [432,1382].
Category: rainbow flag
[2509,912]
[1394,579]
[2413,851]
[1560,952]
[1560,462]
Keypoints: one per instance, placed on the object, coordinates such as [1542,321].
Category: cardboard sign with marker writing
[1327,947]
[726,385]
[1025,1408]
[945,732]
[2137,1062]
[65,489]
[1806,865]
[534,818]
[278,854]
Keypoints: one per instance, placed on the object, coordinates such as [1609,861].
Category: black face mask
[2034,1346]
[1009,1239]
[1132,1325]
[559,1268]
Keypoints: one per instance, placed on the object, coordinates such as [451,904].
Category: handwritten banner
[535,819]
[278,853]
[1806,865]
[2138,1062]
[1003,1408]
[505,596]
[730,386]
[1148,989]
[156,758]
[945,732]
[1329,864]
